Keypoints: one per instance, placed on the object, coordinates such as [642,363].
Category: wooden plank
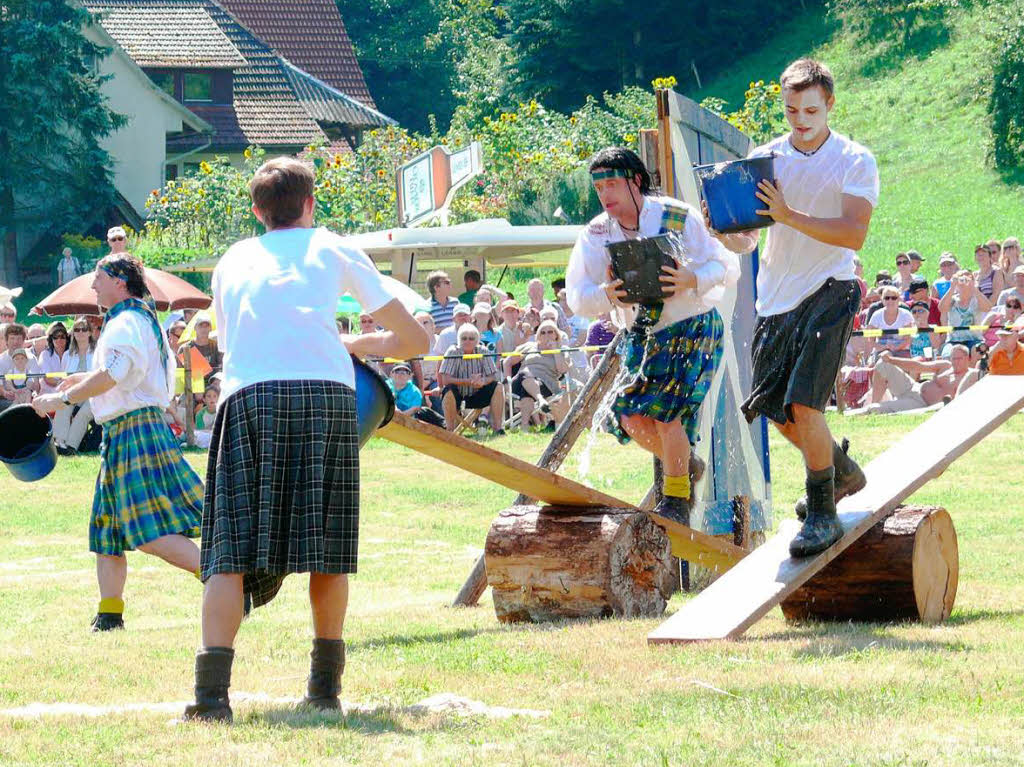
[502,469]
[700,548]
[742,596]
[579,418]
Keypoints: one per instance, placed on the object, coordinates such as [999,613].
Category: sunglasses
[1012,306]
[919,311]
[902,263]
[60,335]
[890,298]
[81,330]
[115,239]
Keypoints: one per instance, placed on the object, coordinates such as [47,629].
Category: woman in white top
[71,424]
[892,317]
[53,358]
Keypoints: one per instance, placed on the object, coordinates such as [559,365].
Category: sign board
[427,183]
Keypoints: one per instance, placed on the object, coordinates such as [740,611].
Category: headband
[598,175]
[119,270]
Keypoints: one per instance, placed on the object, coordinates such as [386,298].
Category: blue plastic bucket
[26,443]
[729,190]
[375,404]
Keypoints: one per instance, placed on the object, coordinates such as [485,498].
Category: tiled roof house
[217,67]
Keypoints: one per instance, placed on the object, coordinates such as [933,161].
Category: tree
[407,63]
[54,175]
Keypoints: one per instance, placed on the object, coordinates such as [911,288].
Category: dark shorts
[519,391]
[797,354]
[282,484]
[478,400]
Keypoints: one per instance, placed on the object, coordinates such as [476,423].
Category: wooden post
[576,421]
[190,422]
[648,151]
[665,167]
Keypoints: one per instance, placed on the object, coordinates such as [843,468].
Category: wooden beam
[697,547]
[742,596]
[502,469]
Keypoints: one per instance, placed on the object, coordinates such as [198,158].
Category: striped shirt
[457,367]
[442,313]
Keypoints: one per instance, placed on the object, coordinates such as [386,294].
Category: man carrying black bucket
[147,496]
[676,343]
[282,483]
[807,292]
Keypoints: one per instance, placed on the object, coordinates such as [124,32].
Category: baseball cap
[461,309]
[19,350]
[917,285]
[947,258]
[920,304]
[1019,269]
[483,309]
[913,255]
[401,366]
[509,304]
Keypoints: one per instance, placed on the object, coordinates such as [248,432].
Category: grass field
[865,694]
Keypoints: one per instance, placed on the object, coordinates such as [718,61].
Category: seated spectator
[96,324]
[898,377]
[1016,288]
[14,338]
[174,332]
[70,424]
[408,397]
[947,268]
[511,330]
[205,344]
[904,273]
[539,375]
[425,371]
[600,333]
[924,345]
[988,279]
[36,338]
[367,324]
[470,382]
[535,293]
[484,322]
[999,317]
[207,414]
[54,357]
[447,338]
[1010,259]
[442,305]
[892,317]
[918,291]
[17,390]
[858,272]
[1007,358]
[8,313]
[963,305]
[882,276]
[916,263]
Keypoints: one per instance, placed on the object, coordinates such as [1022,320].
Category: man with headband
[147,496]
[676,344]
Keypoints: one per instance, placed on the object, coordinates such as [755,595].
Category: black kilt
[282,485]
[797,354]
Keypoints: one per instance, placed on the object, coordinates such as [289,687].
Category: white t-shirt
[128,351]
[276,297]
[714,266]
[793,265]
[904,319]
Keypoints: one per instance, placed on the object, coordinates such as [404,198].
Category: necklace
[813,151]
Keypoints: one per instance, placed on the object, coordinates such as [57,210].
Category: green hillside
[923,115]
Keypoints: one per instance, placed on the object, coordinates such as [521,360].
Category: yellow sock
[111,605]
[198,574]
[677,487]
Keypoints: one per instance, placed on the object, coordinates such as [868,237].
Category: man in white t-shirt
[282,480]
[807,292]
[147,496]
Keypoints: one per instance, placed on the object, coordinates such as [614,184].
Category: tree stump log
[549,563]
[906,567]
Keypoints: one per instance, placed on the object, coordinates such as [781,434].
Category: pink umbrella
[77,297]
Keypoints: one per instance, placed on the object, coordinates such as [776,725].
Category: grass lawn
[865,694]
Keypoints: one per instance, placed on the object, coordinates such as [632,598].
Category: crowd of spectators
[894,372]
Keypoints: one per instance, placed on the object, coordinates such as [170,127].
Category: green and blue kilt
[145,488]
[671,372]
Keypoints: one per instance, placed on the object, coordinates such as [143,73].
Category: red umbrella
[77,297]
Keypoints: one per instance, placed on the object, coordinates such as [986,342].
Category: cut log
[905,568]
[549,563]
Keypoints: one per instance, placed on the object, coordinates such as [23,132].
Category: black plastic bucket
[729,190]
[638,264]
[375,404]
[26,443]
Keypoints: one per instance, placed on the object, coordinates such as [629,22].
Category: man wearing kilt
[147,496]
[282,483]
[675,345]
[807,291]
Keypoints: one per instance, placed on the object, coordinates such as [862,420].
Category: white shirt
[275,298]
[793,265]
[49,362]
[7,366]
[129,352]
[714,266]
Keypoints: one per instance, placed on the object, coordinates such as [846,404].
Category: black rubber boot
[107,622]
[821,527]
[327,662]
[213,678]
[850,478]
[675,508]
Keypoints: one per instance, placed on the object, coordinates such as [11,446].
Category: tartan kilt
[282,485]
[671,372]
[145,488]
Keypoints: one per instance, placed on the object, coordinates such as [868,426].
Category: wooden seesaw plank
[546,486]
[765,577]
